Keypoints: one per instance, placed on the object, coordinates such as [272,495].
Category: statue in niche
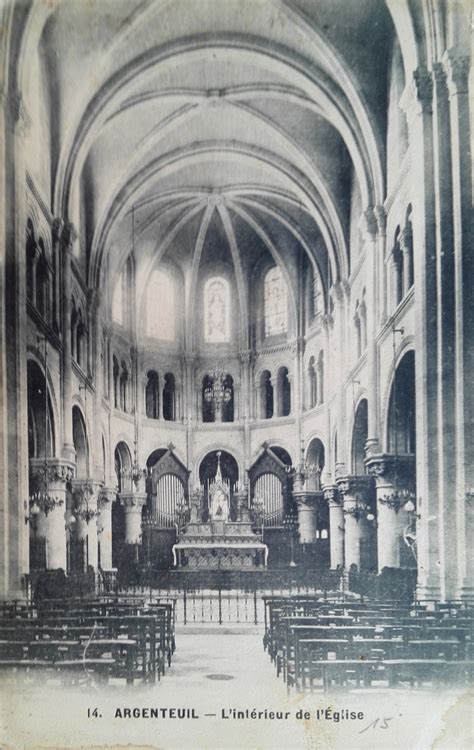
[219,506]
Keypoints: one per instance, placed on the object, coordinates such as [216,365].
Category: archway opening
[359,438]
[79,436]
[230,475]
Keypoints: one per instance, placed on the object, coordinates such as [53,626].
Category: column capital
[107,496]
[353,485]
[388,468]
[132,500]
[417,97]
[86,490]
[457,67]
[53,470]
[332,496]
[245,356]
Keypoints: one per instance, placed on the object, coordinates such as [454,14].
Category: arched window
[317,294]
[284,392]
[216,311]
[79,435]
[312,384]
[124,387]
[228,400]
[275,303]
[152,395]
[169,398]
[116,375]
[160,306]
[208,414]
[40,414]
[266,395]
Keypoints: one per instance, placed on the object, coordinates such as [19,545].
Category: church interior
[237,327]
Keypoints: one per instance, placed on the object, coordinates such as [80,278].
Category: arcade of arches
[234,246]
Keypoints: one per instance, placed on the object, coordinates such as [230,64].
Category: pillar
[417,101]
[53,478]
[381,219]
[14,125]
[390,475]
[457,67]
[306,503]
[336,526]
[372,305]
[68,237]
[106,498]
[133,503]
[95,332]
[355,493]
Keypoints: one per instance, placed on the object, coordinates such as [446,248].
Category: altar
[219,543]
[225,545]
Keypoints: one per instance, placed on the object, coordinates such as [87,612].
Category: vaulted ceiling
[247,120]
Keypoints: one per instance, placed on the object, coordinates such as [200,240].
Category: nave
[321,667]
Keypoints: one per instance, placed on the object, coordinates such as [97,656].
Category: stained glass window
[275,303]
[216,311]
[160,307]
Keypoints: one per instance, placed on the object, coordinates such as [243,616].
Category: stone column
[57,229]
[133,503]
[86,494]
[457,67]
[106,498]
[381,218]
[307,504]
[14,124]
[51,523]
[336,526]
[96,331]
[417,103]
[371,288]
[391,516]
[355,491]
[68,237]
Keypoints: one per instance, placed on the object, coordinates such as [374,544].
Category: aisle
[215,671]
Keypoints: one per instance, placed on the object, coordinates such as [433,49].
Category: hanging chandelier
[217,392]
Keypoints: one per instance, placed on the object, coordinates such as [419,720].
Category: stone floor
[216,670]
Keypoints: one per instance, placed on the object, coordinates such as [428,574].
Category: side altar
[219,543]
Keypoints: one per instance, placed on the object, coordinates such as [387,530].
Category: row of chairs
[107,637]
[319,644]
